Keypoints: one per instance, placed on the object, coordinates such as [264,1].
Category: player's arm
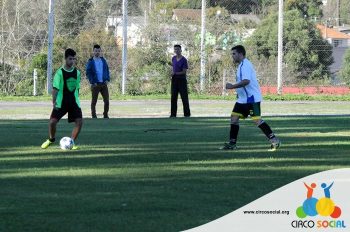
[108,73]
[171,68]
[238,85]
[56,86]
[245,80]
[88,71]
[79,80]
[54,97]
[183,72]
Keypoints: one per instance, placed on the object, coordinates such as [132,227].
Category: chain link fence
[316,42]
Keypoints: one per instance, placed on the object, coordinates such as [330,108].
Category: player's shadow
[152,169]
[167,141]
[155,196]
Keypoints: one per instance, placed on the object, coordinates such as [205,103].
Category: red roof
[331,33]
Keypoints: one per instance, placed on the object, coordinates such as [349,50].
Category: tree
[345,71]
[237,6]
[83,45]
[306,55]
[331,11]
[345,11]
[232,6]
[22,35]
[101,9]
[71,16]
[308,8]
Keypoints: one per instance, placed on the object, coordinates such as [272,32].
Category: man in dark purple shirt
[179,82]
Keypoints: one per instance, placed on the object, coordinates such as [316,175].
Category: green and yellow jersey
[67,82]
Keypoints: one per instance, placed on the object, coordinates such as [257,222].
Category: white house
[334,37]
[114,24]
[340,43]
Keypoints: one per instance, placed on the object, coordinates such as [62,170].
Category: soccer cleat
[75,147]
[275,145]
[229,146]
[46,144]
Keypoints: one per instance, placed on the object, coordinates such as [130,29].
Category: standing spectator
[97,71]
[179,82]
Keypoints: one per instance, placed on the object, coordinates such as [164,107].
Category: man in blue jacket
[97,71]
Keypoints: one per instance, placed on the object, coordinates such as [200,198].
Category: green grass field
[154,174]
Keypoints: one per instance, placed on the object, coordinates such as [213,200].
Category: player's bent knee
[258,121]
[53,121]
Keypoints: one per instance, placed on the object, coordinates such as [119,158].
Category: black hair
[177,46]
[69,52]
[97,46]
[239,49]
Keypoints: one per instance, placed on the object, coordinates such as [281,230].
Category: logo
[324,207]
[71,84]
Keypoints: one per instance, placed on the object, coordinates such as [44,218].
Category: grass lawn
[154,174]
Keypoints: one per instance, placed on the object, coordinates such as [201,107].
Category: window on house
[337,42]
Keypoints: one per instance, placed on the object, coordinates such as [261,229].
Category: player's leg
[52,128]
[174,96]
[105,96]
[77,128]
[239,111]
[234,129]
[94,96]
[264,127]
[75,115]
[184,97]
[56,115]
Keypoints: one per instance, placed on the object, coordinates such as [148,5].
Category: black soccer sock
[234,133]
[52,140]
[267,130]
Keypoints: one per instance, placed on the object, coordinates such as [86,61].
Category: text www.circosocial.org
[264,212]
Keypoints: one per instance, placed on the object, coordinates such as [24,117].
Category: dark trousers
[95,90]
[179,85]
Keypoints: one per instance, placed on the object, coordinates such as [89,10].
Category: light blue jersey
[250,93]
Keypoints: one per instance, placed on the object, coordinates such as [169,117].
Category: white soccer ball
[66,143]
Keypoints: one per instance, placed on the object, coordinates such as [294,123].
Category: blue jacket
[91,71]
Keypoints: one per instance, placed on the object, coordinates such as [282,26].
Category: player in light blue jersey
[249,100]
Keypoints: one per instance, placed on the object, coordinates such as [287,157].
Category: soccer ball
[66,143]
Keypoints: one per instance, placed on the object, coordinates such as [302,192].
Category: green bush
[150,79]
[24,88]
[345,71]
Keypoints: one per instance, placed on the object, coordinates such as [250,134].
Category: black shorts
[249,109]
[74,112]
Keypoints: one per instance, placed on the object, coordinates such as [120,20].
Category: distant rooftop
[187,14]
[331,33]
[245,17]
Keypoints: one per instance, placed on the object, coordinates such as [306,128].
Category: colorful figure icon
[310,189]
[324,206]
[327,192]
